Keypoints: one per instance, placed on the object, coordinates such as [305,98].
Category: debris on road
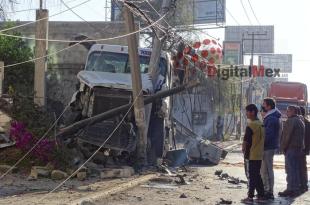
[183,196]
[224,176]
[206,187]
[218,172]
[181,180]
[223,201]
[165,169]
[230,179]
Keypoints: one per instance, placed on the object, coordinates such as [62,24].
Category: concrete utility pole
[158,43]
[136,87]
[1,77]
[250,89]
[40,50]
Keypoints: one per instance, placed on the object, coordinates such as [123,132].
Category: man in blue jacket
[272,126]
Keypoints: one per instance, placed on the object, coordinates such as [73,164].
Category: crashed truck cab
[104,84]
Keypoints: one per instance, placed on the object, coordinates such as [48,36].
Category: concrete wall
[63,67]
[67,30]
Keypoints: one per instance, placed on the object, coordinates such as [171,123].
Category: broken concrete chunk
[40,171]
[50,166]
[58,175]
[4,168]
[81,176]
[33,175]
[70,171]
[123,172]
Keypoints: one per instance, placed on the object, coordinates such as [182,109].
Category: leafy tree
[12,51]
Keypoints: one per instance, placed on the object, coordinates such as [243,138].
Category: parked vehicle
[288,93]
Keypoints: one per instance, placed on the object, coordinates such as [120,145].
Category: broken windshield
[119,63]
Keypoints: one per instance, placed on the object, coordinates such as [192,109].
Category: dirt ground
[204,188]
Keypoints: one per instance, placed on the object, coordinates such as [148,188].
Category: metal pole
[41,32]
[136,88]
[241,88]
[71,129]
[1,77]
[250,88]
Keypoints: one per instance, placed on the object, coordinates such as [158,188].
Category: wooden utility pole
[158,43]
[40,51]
[1,77]
[136,87]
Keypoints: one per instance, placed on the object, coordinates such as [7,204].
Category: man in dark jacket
[272,128]
[292,145]
[304,170]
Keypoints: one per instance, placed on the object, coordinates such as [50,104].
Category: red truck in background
[288,93]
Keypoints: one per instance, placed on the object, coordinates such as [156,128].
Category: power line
[253,12]
[101,146]
[33,9]
[32,22]
[91,25]
[188,44]
[246,13]
[232,16]
[66,41]
[68,105]
[100,40]
[36,144]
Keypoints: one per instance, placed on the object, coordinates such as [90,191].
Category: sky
[290,18]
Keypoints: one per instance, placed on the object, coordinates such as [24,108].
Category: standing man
[272,135]
[253,148]
[304,170]
[292,145]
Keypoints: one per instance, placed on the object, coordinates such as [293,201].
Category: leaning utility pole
[40,64]
[158,43]
[136,86]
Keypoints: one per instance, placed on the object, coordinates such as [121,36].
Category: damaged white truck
[104,86]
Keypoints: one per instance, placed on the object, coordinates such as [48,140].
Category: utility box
[204,151]
[210,152]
